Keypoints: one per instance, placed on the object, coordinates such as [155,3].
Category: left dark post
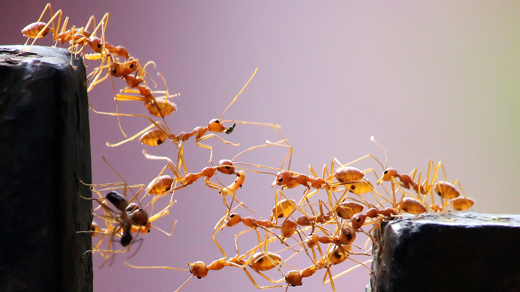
[44,158]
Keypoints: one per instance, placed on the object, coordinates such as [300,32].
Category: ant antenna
[239,93]
[383,148]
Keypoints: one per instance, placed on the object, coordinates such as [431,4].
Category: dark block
[44,151]
[448,252]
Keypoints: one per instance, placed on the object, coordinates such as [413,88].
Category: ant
[407,180]
[260,261]
[162,132]
[295,277]
[224,166]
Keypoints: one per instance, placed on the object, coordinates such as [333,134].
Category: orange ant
[260,261]
[406,180]
[75,36]
[224,166]
[157,136]
[338,255]
[294,278]
[252,224]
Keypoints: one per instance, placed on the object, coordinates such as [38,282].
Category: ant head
[130,66]
[282,178]
[226,166]
[117,69]
[198,269]
[358,220]
[293,278]
[216,126]
[387,175]
[147,227]
[96,44]
[139,217]
[95,228]
[233,220]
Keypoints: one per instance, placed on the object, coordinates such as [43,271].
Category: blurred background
[430,80]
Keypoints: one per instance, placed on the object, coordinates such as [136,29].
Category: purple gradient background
[430,80]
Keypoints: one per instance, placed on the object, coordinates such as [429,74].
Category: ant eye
[132,66]
[99,46]
[386,171]
[280,179]
[228,167]
[216,121]
[353,187]
[199,277]
[114,71]
[232,215]
[358,219]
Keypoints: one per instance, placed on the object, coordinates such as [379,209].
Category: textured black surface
[44,151]
[449,252]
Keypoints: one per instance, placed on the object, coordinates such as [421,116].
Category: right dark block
[448,252]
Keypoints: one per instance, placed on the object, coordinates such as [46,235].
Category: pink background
[430,80]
